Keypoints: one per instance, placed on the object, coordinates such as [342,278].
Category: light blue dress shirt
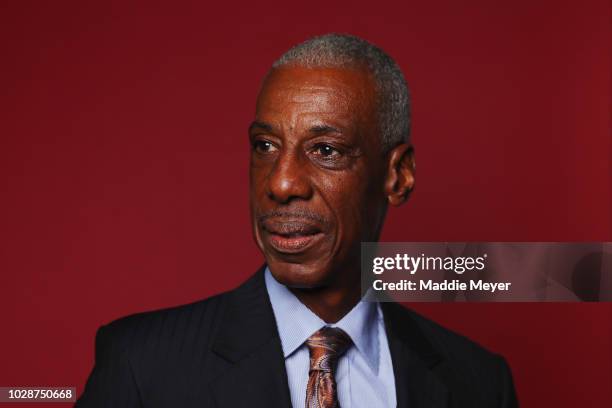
[364,375]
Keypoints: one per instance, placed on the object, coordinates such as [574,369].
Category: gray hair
[343,50]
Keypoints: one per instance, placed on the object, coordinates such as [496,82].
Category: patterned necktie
[325,347]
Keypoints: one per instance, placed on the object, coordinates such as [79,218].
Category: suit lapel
[253,371]
[248,341]
[414,359]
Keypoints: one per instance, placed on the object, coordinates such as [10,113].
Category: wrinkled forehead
[297,93]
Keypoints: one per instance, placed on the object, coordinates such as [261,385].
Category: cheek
[355,199]
[257,178]
[346,197]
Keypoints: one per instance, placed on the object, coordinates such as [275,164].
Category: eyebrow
[316,129]
[260,125]
[322,129]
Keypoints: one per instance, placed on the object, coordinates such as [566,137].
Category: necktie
[325,347]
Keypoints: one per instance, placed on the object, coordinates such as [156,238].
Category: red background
[124,160]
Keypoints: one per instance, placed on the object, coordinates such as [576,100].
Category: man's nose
[289,180]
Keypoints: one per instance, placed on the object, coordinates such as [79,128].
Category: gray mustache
[293,214]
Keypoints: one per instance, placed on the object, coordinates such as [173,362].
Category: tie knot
[326,346]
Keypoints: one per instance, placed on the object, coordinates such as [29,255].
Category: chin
[299,275]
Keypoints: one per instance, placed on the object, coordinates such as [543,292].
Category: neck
[330,303]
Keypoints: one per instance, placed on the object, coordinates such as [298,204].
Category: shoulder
[427,335]
[470,371]
[176,331]
[450,343]
[164,327]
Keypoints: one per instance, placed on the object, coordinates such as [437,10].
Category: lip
[291,235]
[292,244]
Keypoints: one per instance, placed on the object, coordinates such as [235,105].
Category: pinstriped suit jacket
[225,351]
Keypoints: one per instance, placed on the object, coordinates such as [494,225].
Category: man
[330,152]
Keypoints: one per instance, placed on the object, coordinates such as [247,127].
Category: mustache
[297,213]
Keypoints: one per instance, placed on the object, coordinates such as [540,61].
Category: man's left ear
[400,174]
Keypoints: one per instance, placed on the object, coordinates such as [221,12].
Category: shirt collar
[296,322]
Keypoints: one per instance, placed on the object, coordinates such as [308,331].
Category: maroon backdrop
[124,160]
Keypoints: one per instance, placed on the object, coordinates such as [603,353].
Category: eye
[326,151]
[264,146]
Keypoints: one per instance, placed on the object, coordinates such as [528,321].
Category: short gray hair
[343,50]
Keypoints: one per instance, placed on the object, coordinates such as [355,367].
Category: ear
[400,174]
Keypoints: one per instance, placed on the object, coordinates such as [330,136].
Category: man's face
[316,174]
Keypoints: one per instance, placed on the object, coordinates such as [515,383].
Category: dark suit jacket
[225,351]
